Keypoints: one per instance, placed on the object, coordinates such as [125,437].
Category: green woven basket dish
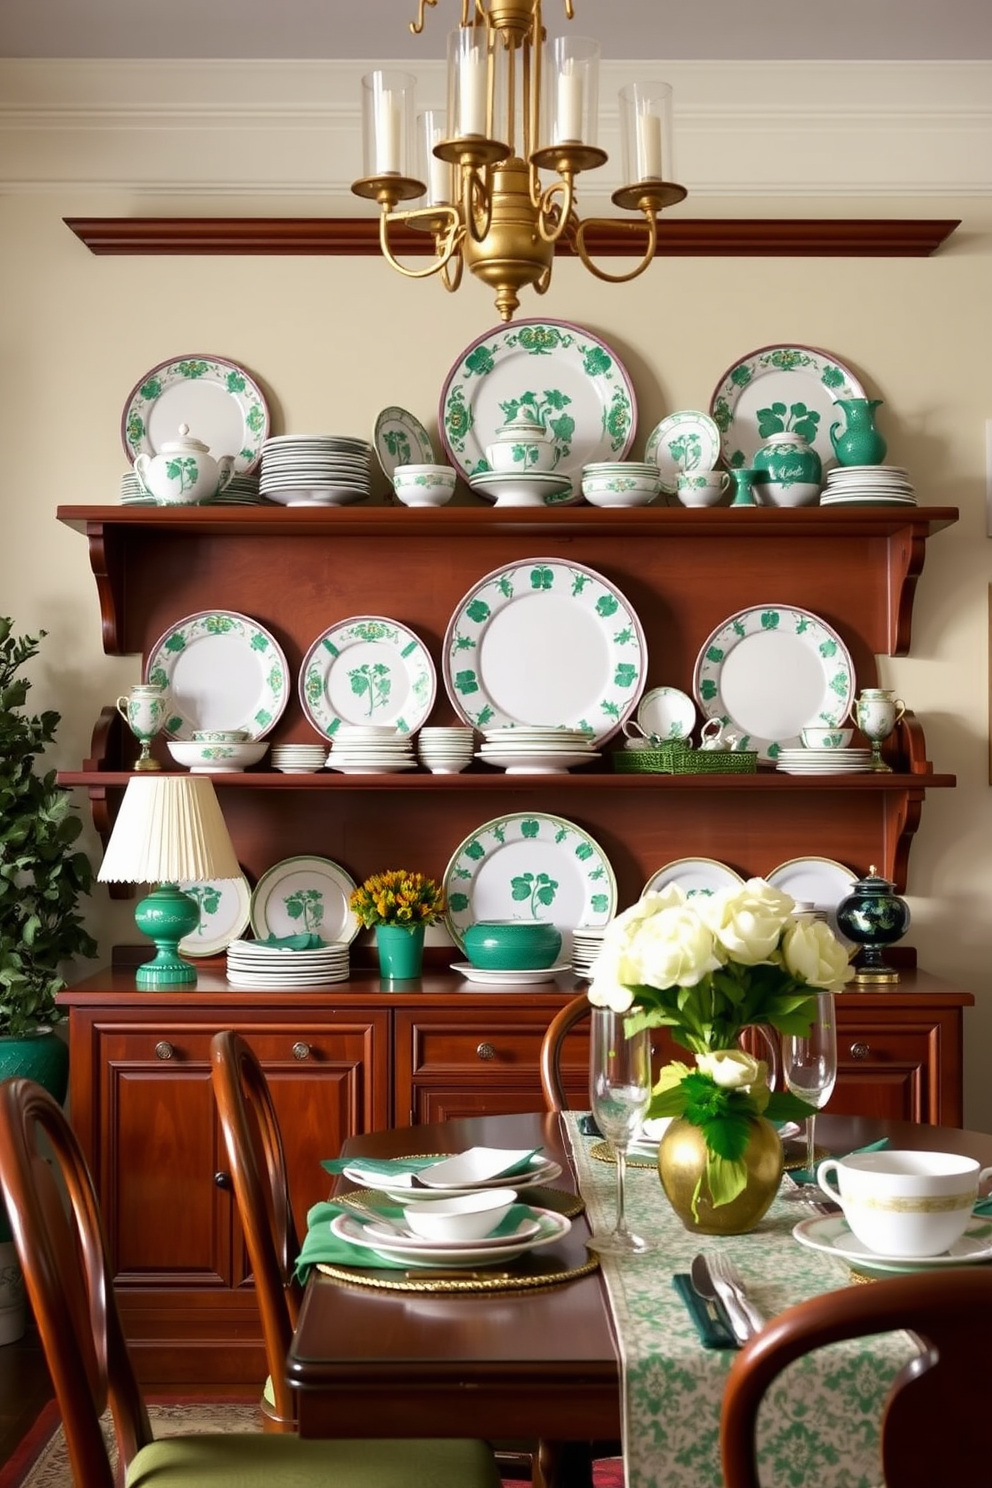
[675,761]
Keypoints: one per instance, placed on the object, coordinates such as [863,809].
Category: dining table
[608,1351]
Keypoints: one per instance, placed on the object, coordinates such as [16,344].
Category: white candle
[569,103]
[388,121]
[440,182]
[649,148]
[473,77]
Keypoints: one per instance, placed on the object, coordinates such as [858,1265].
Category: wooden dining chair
[61,1245]
[934,1428]
[555,1097]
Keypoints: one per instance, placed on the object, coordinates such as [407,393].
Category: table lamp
[169,830]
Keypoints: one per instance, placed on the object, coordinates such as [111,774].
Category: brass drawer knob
[301,1050]
[164,1050]
[860,1050]
[486,1051]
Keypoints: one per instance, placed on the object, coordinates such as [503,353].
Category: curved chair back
[933,1427]
[555,1097]
[261,1190]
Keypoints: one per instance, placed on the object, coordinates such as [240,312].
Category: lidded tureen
[184,471]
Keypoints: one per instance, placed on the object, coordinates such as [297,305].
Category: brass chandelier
[518,104]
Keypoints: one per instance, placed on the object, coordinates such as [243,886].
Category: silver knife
[708,1285]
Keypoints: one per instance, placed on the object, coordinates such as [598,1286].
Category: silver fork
[723,1269]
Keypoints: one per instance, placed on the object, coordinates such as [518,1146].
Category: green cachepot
[401,951]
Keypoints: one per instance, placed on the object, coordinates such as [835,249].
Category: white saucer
[509,980]
[542,1170]
[552,1227]
[832,1233]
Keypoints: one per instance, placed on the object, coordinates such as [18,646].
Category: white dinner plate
[540,1171]
[771,671]
[222,670]
[219,402]
[779,388]
[694,876]
[563,375]
[552,1227]
[683,441]
[509,981]
[529,866]
[832,1233]
[821,882]
[225,909]
[367,669]
[525,1230]
[401,439]
[545,642]
[304,895]
[477,1167]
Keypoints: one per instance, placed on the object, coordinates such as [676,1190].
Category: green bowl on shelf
[512,945]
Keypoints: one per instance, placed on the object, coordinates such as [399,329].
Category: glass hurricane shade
[170,829]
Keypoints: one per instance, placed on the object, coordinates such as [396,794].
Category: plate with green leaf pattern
[780,389]
[683,441]
[367,670]
[222,670]
[545,643]
[218,401]
[564,376]
[302,896]
[225,910]
[401,439]
[529,867]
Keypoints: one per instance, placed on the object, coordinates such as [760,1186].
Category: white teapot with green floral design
[184,471]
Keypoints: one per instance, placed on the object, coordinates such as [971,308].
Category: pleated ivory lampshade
[170,829]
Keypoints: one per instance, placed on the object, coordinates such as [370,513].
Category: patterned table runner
[820,1421]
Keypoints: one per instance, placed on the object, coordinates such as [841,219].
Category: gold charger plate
[603,1152]
[528,1273]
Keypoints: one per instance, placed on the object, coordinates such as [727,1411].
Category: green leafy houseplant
[41,874]
[707,968]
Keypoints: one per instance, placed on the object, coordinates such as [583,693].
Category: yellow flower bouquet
[398,897]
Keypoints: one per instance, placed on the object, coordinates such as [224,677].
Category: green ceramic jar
[787,471]
[512,945]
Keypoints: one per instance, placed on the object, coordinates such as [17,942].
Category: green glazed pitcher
[861,443]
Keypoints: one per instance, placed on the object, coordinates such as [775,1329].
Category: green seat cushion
[260,1460]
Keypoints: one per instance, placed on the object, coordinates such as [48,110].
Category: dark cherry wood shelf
[695,237]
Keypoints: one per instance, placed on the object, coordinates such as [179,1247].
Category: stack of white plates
[587,941]
[868,485]
[446,750]
[315,469]
[250,963]
[370,749]
[535,750]
[298,759]
[241,490]
[823,761]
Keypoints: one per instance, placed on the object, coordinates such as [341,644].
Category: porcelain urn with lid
[184,472]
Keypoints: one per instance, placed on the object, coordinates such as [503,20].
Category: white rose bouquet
[708,967]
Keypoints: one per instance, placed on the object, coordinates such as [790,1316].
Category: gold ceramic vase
[682,1160]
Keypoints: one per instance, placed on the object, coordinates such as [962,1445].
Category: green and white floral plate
[367,669]
[776,389]
[545,642]
[682,442]
[219,401]
[225,910]
[570,381]
[401,439]
[302,896]
[695,876]
[223,670]
[769,672]
[529,866]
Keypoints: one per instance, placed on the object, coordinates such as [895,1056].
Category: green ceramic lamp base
[167,916]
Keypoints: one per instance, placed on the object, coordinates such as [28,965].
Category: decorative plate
[566,377]
[819,881]
[683,441]
[302,896]
[832,1233]
[223,671]
[779,388]
[667,713]
[221,403]
[401,439]
[696,876]
[772,671]
[545,642]
[367,669]
[529,867]
[225,909]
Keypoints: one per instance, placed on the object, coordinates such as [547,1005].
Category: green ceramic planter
[512,945]
[401,951]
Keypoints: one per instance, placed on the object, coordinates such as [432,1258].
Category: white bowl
[207,759]
[826,738]
[597,496]
[464,1217]
[424,485]
[521,455]
[798,493]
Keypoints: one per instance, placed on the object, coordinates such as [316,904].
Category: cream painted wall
[333,341]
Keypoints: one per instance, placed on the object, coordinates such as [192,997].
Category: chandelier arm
[652,244]
[451,272]
[446,240]
[553,217]
[418,25]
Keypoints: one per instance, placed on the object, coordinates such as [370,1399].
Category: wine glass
[809,1066]
[619,1091]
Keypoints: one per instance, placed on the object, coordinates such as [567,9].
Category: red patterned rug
[40,1460]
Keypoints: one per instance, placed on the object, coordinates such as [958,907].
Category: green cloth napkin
[983,1207]
[708,1318]
[803,1175]
[320,1245]
[380,1167]
[303,942]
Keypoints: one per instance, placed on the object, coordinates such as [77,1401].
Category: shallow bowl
[622,496]
[512,945]
[465,1217]
[202,758]
[424,485]
[220,736]
[827,738]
